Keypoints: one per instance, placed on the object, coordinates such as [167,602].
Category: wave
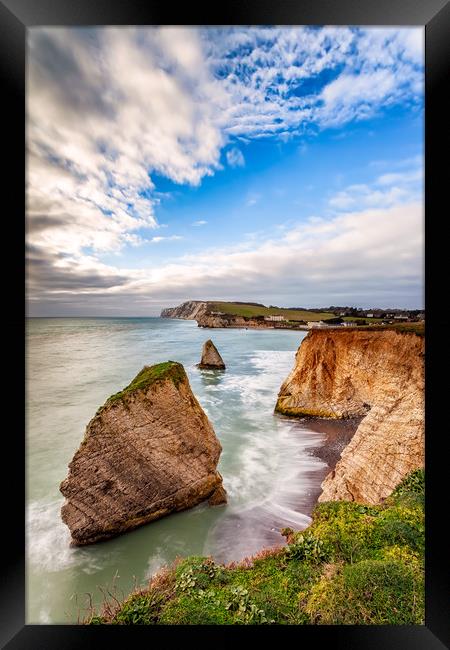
[48,547]
[276,480]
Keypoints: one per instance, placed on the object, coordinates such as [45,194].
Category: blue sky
[282,165]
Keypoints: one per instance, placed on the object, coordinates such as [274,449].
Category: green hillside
[238,309]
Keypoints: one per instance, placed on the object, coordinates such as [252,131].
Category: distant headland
[258,316]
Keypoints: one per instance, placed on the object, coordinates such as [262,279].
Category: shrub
[345,528]
[140,609]
[377,592]
[195,573]
[247,610]
[308,548]
[413,483]
[207,609]
[400,526]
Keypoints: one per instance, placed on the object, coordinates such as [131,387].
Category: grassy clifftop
[355,564]
[251,310]
[169,370]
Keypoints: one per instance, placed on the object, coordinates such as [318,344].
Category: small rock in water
[211,357]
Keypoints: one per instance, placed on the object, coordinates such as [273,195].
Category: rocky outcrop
[150,450]
[346,373]
[211,358]
[190,310]
[206,315]
[224,320]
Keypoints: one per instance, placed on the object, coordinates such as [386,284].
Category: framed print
[230,418]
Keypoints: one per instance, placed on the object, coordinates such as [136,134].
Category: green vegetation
[410,328]
[149,375]
[237,309]
[356,563]
[293,316]
[407,328]
[362,318]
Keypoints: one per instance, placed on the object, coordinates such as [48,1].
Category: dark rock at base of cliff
[211,358]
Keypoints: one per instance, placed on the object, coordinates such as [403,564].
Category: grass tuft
[169,370]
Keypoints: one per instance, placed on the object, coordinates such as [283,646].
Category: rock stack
[150,450]
[211,358]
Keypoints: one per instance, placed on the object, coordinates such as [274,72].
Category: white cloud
[158,239]
[110,109]
[342,200]
[368,252]
[252,199]
[103,114]
[373,68]
[201,222]
[407,177]
[367,256]
[387,190]
[235,157]
[357,96]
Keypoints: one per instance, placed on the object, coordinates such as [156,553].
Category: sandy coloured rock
[211,357]
[150,450]
[346,373]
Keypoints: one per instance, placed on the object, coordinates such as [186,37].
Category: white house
[274,318]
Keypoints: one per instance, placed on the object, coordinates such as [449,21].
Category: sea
[270,470]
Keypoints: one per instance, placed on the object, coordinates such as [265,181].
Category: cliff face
[150,450]
[342,374]
[210,320]
[190,310]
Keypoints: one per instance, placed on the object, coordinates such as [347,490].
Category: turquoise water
[268,469]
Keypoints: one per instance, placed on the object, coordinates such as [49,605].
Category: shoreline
[338,435]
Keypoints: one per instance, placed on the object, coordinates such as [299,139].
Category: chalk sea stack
[149,450]
[376,374]
[211,357]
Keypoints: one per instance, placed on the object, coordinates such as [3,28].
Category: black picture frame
[18,15]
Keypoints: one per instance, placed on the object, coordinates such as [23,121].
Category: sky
[274,165]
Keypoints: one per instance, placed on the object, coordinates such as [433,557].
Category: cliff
[150,450]
[345,373]
[224,320]
[190,310]
[206,315]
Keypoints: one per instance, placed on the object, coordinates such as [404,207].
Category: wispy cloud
[367,256]
[158,239]
[386,190]
[370,69]
[252,199]
[201,222]
[109,110]
[235,157]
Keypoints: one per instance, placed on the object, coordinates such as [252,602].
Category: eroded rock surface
[150,450]
[211,357]
[341,374]
[189,310]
